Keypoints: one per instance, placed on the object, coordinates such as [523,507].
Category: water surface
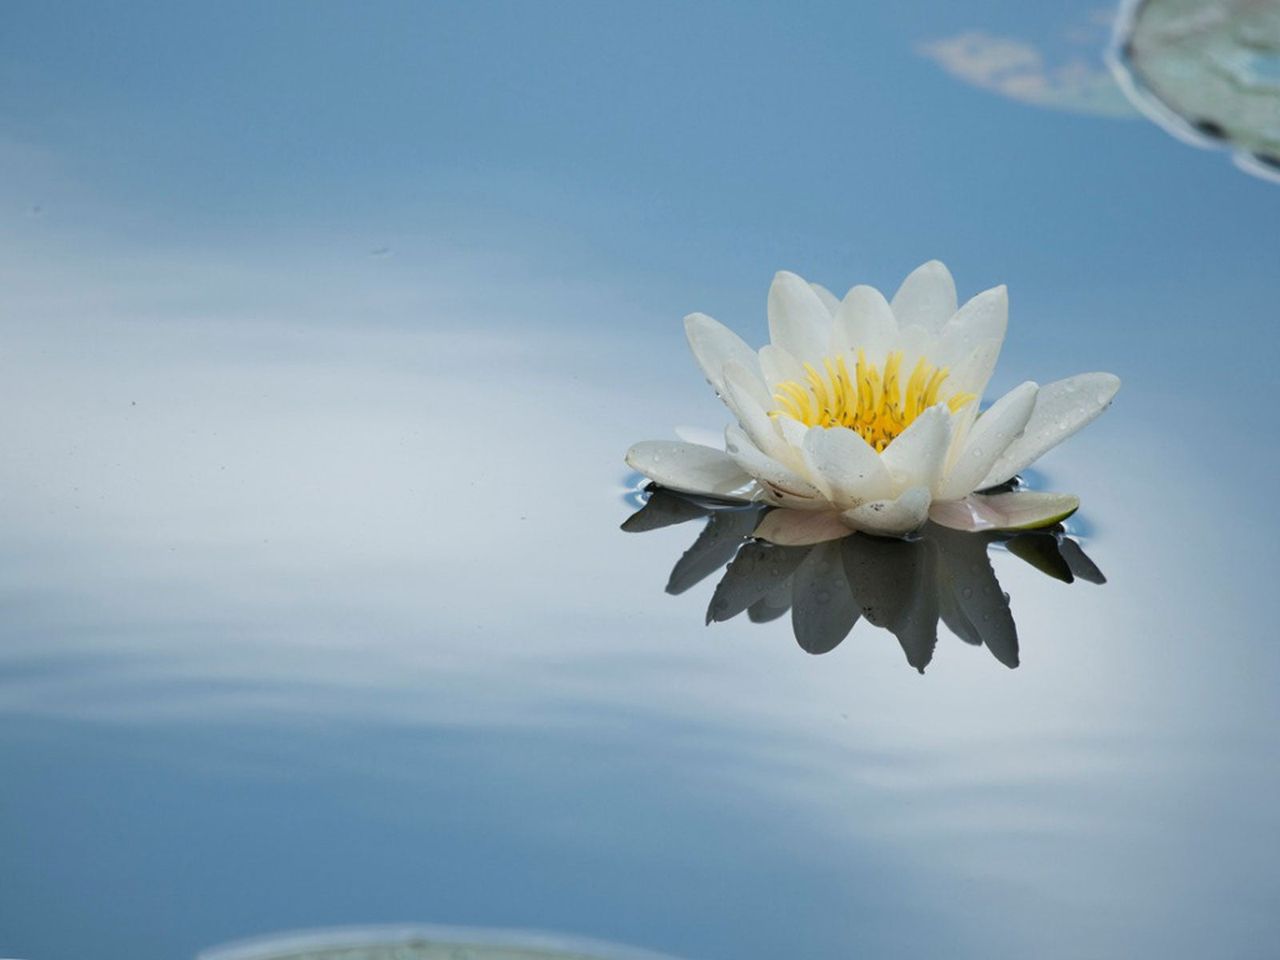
[315,607]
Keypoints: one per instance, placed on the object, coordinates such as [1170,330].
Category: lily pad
[423,943]
[1208,71]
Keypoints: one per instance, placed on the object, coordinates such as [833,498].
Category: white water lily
[862,415]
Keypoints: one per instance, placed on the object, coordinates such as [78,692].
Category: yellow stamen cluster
[870,401]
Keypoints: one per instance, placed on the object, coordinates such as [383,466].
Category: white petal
[913,343]
[798,528]
[829,299]
[973,373]
[989,437]
[916,456]
[779,366]
[793,434]
[714,345]
[740,398]
[1062,408]
[969,377]
[865,321]
[957,515]
[927,298]
[891,518]
[1020,510]
[701,436]
[844,466]
[798,322]
[690,468]
[750,382]
[777,497]
[982,319]
[771,474]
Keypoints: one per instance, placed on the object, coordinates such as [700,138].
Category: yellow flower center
[873,402]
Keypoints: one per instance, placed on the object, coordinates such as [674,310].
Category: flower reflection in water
[903,586]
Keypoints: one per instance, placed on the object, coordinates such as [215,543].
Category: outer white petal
[990,435]
[798,321]
[714,346]
[1020,510]
[829,299]
[927,298]
[773,476]
[1062,408]
[798,528]
[891,518]
[982,319]
[917,456]
[690,468]
[740,397]
[701,436]
[864,320]
[845,467]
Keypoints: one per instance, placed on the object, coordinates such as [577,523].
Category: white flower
[862,415]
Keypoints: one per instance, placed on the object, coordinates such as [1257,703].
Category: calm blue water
[322,336]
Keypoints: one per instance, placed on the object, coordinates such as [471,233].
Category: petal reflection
[974,598]
[664,509]
[823,608]
[903,586]
[758,569]
[715,546]
[894,583]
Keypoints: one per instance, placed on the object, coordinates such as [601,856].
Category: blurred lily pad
[423,943]
[1208,71]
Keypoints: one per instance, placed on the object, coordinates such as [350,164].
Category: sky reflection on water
[314,610]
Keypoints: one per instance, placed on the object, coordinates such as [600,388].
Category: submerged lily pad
[423,943]
[1208,71]
[411,951]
